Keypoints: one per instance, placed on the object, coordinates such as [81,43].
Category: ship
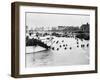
[38,44]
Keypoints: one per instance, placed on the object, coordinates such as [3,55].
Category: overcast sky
[50,20]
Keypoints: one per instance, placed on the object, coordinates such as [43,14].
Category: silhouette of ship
[36,45]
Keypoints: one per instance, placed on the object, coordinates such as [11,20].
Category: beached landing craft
[40,44]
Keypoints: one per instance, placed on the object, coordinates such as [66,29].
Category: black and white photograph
[57,39]
[53,39]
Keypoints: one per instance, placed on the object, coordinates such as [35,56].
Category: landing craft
[38,44]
